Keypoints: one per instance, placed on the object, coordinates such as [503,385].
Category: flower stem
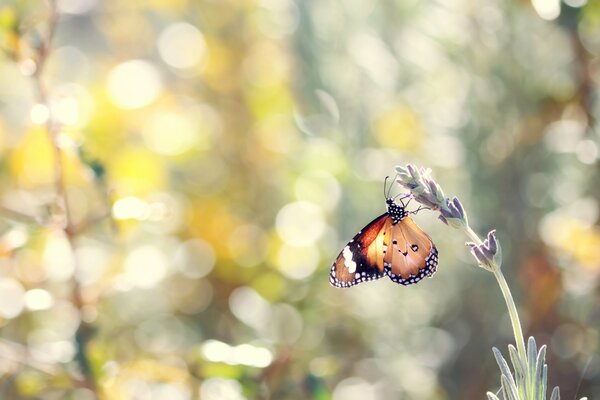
[510,303]
[514,315]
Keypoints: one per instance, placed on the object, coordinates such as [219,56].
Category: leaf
[531,352]
[555,394]
[503,367]
[509,388]
[539,377]
[544,381]
[517,365]
[531,358]
[492,396]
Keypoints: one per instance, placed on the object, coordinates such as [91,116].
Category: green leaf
[520,371]
[531,352]
[504,369]
[509,388]
[555,394]
[544,381]
[531,357]
[539,369]
[492,396]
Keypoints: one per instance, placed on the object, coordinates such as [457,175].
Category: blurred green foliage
[217,155]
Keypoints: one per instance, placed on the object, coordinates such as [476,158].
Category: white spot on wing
[348,262]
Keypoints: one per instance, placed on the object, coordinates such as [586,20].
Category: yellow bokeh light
[399,128]
[181,45]
[248,245]
[137,171]
[39,114]
[171,133]
[130,207]
[13,298]
[133,84]
[32,161]
[38,299]
[547,9]
[67,111]
[145,266]
[298,262]
[300,223]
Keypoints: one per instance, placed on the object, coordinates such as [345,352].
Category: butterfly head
[396,212]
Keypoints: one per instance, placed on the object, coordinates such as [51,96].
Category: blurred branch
[84,332]
[19,216]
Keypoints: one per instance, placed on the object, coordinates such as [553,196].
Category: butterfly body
[393,245]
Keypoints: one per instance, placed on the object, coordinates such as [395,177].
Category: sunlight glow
[145,266]
[39,114]
[58,257]
[244,354]
[130,208]
[181,45]
[38,299]
[170,133]
[249,307]
[298,262]
[300,223]
[195,258]
[547,9]
[15,237]
[12,295]
[221,389]
[66,111]
[134,84]
[354,389]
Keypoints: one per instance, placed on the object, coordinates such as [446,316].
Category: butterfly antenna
[385,186]
[391,186]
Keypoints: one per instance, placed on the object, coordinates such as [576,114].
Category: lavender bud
[479,256]
[459,207]
[413,171]
[446,212]
[486,251]
[432,187]
[402,171]
[427,192]
[455,212]
[493,243]
[440,193]
[452,215]
[488,254]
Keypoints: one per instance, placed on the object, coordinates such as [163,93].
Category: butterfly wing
[362,259]
[412,255]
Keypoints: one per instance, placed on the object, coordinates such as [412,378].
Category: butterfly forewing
[362,258]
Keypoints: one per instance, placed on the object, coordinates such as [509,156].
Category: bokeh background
[217,155]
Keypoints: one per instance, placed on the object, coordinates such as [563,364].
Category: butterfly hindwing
[412,255]
[362,258]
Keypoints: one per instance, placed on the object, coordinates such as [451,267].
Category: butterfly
[392,244]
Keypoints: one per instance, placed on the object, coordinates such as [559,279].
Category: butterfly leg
[419,209]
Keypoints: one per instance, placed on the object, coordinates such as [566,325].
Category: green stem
[510,303]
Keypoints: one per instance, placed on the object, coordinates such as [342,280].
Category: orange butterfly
[392,245]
